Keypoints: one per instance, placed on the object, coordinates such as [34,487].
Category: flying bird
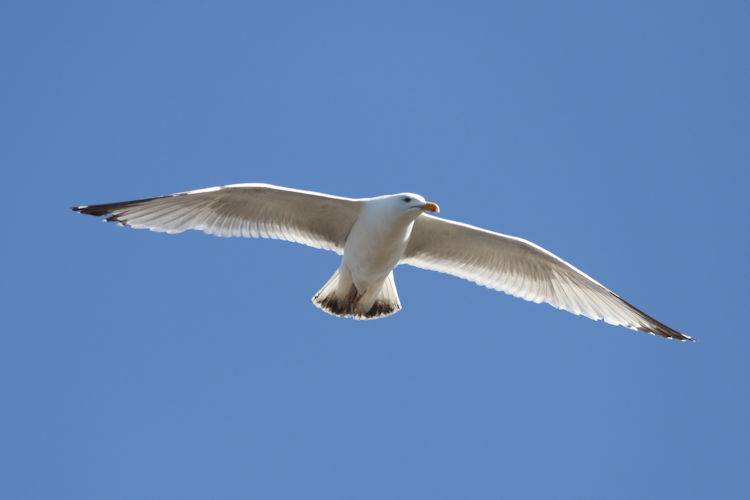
[374,235]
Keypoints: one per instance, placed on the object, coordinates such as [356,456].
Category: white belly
[372,251]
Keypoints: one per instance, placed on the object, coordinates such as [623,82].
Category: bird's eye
[407,199]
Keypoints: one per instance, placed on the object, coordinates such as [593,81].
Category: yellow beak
[430,207]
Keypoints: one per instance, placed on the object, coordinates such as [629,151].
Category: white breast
[375,245]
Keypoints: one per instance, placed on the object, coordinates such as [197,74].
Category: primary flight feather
[374,235]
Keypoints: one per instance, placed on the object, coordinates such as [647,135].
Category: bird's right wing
[520,268]
[250,210]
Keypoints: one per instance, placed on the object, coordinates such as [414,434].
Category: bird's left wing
[520,268]
[250,210]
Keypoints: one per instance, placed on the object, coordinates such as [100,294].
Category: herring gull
[374,235]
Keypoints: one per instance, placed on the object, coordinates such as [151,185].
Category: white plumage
[374,235]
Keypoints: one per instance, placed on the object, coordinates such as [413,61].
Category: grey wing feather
[250,210]
[523,269]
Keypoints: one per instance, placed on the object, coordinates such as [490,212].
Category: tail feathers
[378,304]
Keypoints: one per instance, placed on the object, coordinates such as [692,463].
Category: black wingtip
[95,210]
[109,208]
[648,324]
[682,338]
[658,328]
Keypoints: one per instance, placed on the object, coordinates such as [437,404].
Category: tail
[339,299]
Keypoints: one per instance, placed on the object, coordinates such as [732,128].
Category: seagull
[374,235]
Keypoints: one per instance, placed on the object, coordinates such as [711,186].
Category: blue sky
[141,365]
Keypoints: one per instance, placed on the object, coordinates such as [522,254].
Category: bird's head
[402,206]
[410,204]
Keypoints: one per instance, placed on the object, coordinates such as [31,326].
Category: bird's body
[363,286]
[376,242]
[374,235]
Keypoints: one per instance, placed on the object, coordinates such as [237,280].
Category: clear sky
[141,365]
